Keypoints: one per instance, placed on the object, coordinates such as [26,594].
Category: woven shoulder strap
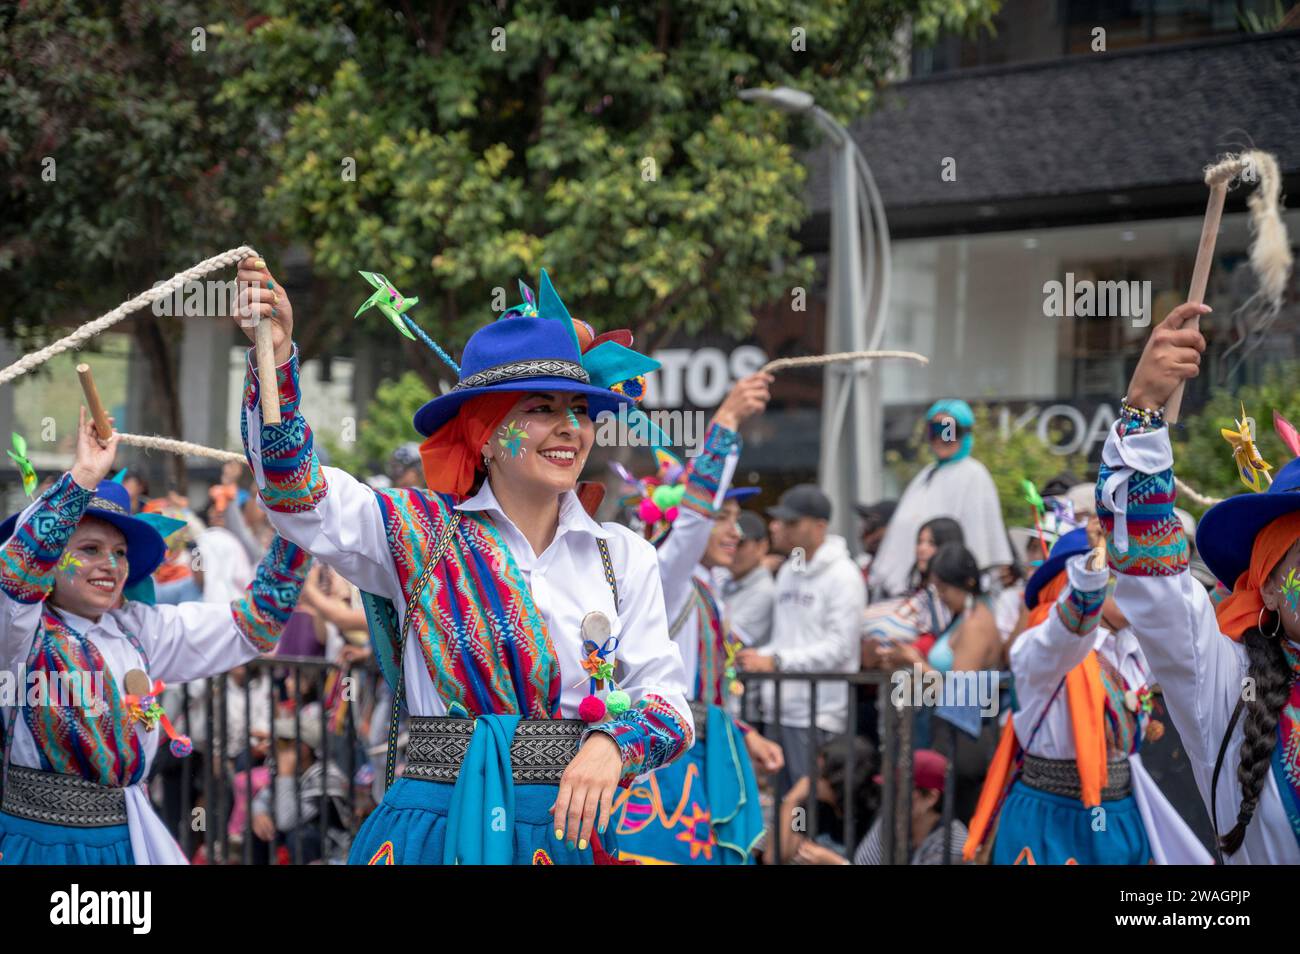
[608,565]
[399,694]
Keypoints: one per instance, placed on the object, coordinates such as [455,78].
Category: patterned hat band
[99,503]
[533,368]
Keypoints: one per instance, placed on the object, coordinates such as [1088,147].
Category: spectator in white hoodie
[820,597]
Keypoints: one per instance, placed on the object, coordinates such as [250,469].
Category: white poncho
[962,490]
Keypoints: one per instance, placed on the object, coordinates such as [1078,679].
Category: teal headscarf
[960,412]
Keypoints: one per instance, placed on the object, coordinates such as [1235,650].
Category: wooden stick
[1218,179]
[102,427]
[268,385]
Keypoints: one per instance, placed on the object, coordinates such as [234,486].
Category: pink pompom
[670,514]
[591,709]
[649,511]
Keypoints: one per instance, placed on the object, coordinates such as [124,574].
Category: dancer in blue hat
[1069,754]
[1229,674]
[84,722]
[704,808]
[529,642]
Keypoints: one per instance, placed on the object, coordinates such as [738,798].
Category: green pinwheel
[391,303]
[19,455]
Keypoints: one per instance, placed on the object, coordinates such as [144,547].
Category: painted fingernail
[277,298]
[270,284]
[260,263]
[603,826]
[559,834]
[274,312]
[582,844]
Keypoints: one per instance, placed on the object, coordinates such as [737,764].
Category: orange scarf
[1086,698]
[453,453]
[1242,609]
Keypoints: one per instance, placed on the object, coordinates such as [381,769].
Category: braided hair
[1271,674]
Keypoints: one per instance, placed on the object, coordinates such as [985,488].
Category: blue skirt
[1039,828]
[26,842]
[410,828]
[702,809]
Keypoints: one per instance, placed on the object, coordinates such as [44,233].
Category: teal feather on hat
[550,306]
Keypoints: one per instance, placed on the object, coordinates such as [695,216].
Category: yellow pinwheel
[1251,467]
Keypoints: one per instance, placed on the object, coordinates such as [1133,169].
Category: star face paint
[1291,592]
[68,564]
[511,436]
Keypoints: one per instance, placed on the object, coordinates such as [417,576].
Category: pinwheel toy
[1035,501]
[19,455]
[1251,467]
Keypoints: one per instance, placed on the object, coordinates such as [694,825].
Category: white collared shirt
[567,581]
[183,642]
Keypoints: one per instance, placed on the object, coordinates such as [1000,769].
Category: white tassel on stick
[1270,251]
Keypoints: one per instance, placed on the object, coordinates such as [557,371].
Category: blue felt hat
[1071,544]
[742,493]
[1227,532]
[145,548]
[518,354]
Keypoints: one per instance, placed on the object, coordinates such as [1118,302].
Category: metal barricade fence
[225,766]
[895,730]
[220,773]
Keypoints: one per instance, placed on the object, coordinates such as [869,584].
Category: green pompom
[617,702]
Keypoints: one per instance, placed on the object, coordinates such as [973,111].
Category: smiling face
[90,576]
[1281,593]
[724,537]
[543,443]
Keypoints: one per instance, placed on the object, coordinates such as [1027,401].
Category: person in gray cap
[405,468]
[748,589]
[820,598]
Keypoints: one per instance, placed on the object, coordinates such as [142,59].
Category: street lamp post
[849,466]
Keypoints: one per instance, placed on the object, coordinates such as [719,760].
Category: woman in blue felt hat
[955,485]
[1069,753]
[83,722]
[501,612]
[1228,672]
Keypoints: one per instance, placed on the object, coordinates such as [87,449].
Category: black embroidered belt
[540,752]
[62,799]
[1061,777]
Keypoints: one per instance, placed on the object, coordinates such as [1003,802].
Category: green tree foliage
[386,426]
[1203,459]
[604,142]
[1010,457]
[119,169]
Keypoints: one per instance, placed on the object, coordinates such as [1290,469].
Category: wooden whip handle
[1200,276]
[97,412]
[268,384]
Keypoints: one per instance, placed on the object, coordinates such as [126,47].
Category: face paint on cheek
[511,436]
[1291,592]
[68,564]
